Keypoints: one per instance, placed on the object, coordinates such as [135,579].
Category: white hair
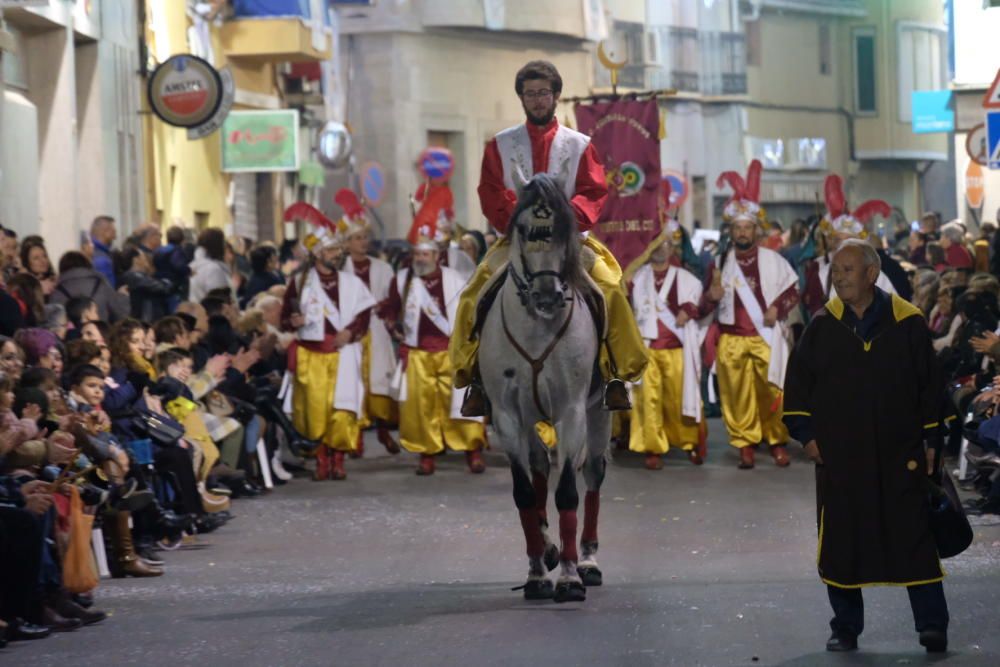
[868,254]
[954,231]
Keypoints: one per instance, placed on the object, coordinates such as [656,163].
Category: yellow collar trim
[901,308]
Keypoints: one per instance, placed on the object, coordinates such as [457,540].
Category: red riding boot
[385,438]
[337,471]
[426,466]
[475,462]
[654,462]
[780,456]
[746,458]
[359,451]
[322,464]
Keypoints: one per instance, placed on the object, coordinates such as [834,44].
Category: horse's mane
[544,188]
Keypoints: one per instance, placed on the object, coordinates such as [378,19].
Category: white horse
[538,360]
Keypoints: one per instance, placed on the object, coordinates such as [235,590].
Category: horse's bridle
[538,364]
[524,283]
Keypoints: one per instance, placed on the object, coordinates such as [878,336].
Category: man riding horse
[542,145]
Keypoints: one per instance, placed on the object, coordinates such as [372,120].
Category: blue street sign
[931,111]
[993,139]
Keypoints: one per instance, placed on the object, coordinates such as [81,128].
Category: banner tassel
[663,124]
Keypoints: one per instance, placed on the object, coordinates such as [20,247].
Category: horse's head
[545,254]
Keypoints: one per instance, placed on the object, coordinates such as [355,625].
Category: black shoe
[19,629]
[986,507]
[935,641]
[206,523]
[93,495]
[66,607]
[616,396]
[475,403]
[169,520]
[56,622]
[129,498]
[149,556]
[841,643]
[85,600]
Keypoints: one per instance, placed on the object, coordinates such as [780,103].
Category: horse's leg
[598,427]
[537,587]
[569,588]
[540,482]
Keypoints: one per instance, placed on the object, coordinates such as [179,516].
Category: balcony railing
[686,59]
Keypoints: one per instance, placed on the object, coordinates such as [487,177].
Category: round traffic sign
[975,191]
[373,183]
[679,189]
[436,163]
[975,144]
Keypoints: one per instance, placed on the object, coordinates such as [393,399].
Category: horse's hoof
[591,576]
[551,557]
[570,591]
[538,589]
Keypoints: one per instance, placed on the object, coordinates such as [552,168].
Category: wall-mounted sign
[932,111]
[185,91]
[215,122]
[261,141]
[333,149]
[373,183]
[436,163]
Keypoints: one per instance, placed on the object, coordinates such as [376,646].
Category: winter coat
[206,275]
[111,305]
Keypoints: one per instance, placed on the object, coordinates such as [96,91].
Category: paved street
[703,566]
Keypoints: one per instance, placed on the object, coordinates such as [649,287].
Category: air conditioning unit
[806,153]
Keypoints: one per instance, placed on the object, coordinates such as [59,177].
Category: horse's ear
[520,180]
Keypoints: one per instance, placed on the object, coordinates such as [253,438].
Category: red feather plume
[349,201]
[870,208]
[752,189]
[833,193]
[735,181]
[312,215]
[665,192]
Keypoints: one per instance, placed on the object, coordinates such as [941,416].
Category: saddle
[591,294]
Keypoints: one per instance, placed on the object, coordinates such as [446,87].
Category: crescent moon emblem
[608,62]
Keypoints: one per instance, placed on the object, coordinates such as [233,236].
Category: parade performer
[378,356]
[423,303]
[436,208]
[837,225]
[755,289]
[329,309]
[518,153]
[864,393]
[667,299]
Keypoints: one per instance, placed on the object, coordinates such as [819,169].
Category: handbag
[949,524]
[79,574]
[220,405]
[162,430]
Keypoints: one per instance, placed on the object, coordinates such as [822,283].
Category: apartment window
[864,72]
[825,50]
[15,71]
[921,55]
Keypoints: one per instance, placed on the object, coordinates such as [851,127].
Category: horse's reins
[537,364]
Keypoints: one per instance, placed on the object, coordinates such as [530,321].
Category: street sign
[992,98]
[436,164]
[993,140]
[931,111]
[975,144]
[975,192]
[185,91]
[372,183]
[261,141]
[679,189]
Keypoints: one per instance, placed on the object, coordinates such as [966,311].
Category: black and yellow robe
[868,391]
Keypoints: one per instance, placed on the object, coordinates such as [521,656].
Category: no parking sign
[436,163]
[679,189]
[372,183]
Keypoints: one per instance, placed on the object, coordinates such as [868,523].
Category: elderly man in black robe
[863,393]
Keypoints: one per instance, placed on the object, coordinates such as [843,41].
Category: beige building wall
[409,87]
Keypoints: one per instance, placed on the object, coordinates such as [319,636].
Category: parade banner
[625,134]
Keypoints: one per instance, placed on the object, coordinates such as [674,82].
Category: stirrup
[616,396]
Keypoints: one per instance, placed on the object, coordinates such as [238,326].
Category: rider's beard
[422,269]
[742,244]
[660,256]
[332,265]
[541,120]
